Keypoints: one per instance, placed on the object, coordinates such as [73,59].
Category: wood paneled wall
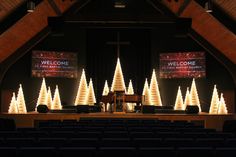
[28,26]
[8,6]
[228,6]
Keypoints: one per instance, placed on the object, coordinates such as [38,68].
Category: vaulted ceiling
[31,24]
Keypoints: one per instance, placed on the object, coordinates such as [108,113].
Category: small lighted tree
[146,94]
[56,104]
[194,95]
[90,98]
[187,100]
[154,91]
[130,106]
[42,99]
[21,101]
[105,89]
[82,90]
[118,83]
[104,93]
[179,104]
[214,101]
[222,109]
[13,105]
[49,98]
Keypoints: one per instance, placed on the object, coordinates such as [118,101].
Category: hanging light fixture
[208,6]
[30,6]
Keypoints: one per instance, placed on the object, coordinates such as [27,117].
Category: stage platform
[209,121]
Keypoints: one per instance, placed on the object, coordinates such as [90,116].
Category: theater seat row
[117,151]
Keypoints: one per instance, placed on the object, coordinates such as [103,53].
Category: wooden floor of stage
[209,120]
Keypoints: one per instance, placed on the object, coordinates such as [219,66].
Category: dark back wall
[20,72]
[138,58]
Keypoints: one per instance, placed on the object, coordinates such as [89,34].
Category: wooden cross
[118,43]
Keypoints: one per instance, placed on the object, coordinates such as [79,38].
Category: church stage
[210,121]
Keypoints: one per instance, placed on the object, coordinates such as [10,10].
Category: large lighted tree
[130,106]
[194,95]
[42,99]
[118,83]
[222,109]
[179,104]
[104,93]
[56,104]
[214,101]
[90,98]
[13,105]
[49,98]
[146,94]
[21,101]
[82,90]
[154,90]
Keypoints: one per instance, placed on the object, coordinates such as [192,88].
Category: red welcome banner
[182,65]
[54,64]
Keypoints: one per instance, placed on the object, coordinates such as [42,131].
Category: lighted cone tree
[146,94]
[154,91]
[105,89]
[104,93]
[42,99]
[21,101]
[82,90]
[49,98]
[222,109]
[187,100]
[56,104]
[130,106]
[90,98]
[179,104]
[214,101]
[118,83]
[13,105]
[194,95]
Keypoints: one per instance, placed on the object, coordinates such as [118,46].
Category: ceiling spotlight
[30,6]
[208,7]
[119,4]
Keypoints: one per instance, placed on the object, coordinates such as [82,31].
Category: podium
[118,100]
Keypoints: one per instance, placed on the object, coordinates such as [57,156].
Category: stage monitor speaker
[82,108]
[167,107]
[42,109]
[94,108]
[192,109]
[148,109]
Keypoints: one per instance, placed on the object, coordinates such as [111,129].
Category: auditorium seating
[104,137]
